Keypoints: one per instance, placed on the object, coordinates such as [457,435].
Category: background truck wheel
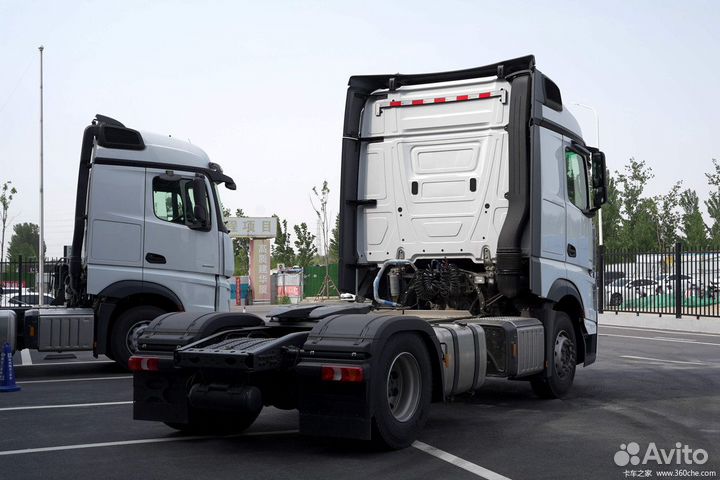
[615,300]
[122,343]
[562,368]
[402,385]
[206,422]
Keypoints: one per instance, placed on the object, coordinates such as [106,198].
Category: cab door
[579,227]
[181,252]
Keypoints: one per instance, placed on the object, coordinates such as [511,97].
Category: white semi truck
[470,192]
[148,238]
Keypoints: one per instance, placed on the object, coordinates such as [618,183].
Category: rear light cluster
[331,373]
[144,364]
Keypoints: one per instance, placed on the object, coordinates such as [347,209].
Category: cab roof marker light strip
[380,106]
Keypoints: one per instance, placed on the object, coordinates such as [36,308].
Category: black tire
[125,325]
[402,387]
[562,371]
[206,422]
[616,299]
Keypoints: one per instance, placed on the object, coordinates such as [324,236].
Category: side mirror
[599,179]
[200,211]
[201,215]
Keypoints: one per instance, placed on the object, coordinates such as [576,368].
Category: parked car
[623,289]
[25,299]
[667,281]
[609,276]
[8,292]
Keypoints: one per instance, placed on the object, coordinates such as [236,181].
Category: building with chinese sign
[260,231]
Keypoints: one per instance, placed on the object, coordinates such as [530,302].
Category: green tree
[692,224]
[305,245]
[241,250]
[713,205]
[6,196]
[335,241]
[611,218]
[639,213]
[24,242]
[282,250]
[668,217]
[241,246]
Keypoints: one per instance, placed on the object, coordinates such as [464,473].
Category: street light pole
[41,253]
[597,137]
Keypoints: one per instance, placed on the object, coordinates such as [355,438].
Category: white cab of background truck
[148,238]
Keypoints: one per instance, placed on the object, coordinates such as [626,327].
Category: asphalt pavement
[73,420]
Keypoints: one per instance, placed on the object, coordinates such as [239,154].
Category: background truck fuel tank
[464,356]
[60,329]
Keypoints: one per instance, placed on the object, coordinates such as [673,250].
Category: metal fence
[19,282]
[675,282]
[314,277]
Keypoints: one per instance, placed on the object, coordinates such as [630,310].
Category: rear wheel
[562,367]
[615,299]
[403,390]
[123,343]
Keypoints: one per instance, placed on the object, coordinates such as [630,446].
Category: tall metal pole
[41,253]
[597,136]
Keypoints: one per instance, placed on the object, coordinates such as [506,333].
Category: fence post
[678,283]
[20,273]
[600,278]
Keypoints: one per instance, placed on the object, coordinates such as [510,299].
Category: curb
[666,322]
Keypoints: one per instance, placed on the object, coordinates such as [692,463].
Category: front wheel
[123,343]
[562,366]
[402,387]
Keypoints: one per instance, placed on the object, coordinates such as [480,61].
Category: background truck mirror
[200,214]
[598,170]
[599,179]
[200,199]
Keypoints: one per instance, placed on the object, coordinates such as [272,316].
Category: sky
[260,86]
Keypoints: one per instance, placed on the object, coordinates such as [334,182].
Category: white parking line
[660,339]
[138,442]
[72,405]
[63,363]
[633,357]
[89,379]
[457,461]
[25,357]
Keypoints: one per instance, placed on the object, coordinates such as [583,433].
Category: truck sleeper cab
[466,216]
[470,190]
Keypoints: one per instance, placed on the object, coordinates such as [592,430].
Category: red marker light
[342,374]
[462,97]
[140,364]
[485,95]
[418,102]
[395,103]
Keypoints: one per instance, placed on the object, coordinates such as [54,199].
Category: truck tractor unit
[148,239]
[467,202]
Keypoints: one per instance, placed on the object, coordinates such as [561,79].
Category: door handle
[155,258]
[363,203]
[571,251]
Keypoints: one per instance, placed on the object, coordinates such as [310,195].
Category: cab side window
[174,200]
[577,180]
